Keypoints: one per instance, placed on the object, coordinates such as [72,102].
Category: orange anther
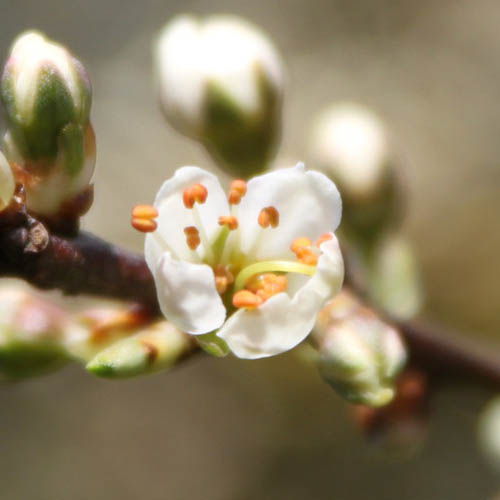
[144,212]
[269,216]
[240,186]
[194,194]
[247,299]
[228,220]
[143,218]
[266,285]
[323,238]
[192,237]
[144,225]
[299,244]
[237,190]
[302,248]
[308,257]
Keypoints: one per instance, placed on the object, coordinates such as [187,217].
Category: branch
[85,264]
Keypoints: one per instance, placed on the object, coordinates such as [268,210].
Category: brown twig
[83,264]
[86,264]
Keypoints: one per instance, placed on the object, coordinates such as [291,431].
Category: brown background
[271,429]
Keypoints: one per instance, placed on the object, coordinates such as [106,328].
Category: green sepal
[242,143]
[146,352]
[213,345]
[20,359]
[71,142]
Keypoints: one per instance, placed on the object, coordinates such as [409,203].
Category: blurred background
[272,429]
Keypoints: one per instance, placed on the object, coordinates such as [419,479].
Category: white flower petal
[174,216]
[187,295]
[283,322]
[308,204]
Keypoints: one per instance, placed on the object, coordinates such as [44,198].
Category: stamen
[192,237]
[323,238]
[230,221]
[247,299]
[144,212]
[266,285]
[194,194]
[302,248]
[143,218]
[223,278]
[299,244]
[271,266]
[269,216]
[203,235]
[237,190]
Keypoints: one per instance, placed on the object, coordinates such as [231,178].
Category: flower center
[249,286]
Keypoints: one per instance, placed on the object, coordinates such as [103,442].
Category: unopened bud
[359,354]
[31,331]
[7,183]
[489,432]
[221,83]
[47,96]
[393,278]
[154,348]
[350,144]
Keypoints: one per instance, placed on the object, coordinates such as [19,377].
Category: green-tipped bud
[47,96]
[30,334]
[350,144]
[359,354]
[393,278]
[221,83]
[489,432]
[156,348]
[7,183]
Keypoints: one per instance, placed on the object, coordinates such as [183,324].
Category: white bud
[351,144]
[47,96]
[7,183]
[221,82]
[360,355]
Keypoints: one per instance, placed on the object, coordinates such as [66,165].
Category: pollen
[195,194]
[323,238]
[302,248]
[223,278]
[266,285]
[247,299]
[230,221]
[269,216]
[300,244]
[192,237]
[143,218]
[237,190]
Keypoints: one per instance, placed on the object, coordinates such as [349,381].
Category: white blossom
[245,265]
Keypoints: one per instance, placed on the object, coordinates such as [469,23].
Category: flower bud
[30,334]
[154,348]
[350,144]
[50,141]
[393,278]
[221,83]
[359,355]
[7,183]
[489,433]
